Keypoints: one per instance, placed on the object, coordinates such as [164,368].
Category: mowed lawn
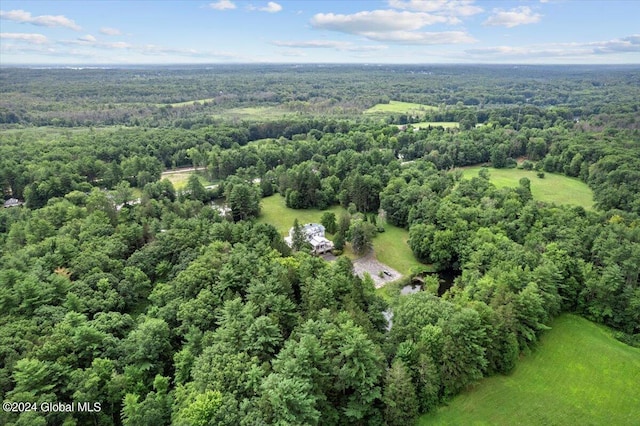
[579,375]
[180,179]
[553,188]
[399,108]
[390,247]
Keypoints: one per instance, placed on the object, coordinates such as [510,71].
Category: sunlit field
[553,188]
[579,375]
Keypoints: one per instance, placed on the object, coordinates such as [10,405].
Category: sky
[305,31]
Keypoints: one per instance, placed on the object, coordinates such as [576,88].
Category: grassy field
[179,179]
[553,188]
[399,108]
[444,124]
[187,103]
[392,249]
[390,246]
[254,113]
[579,375]
[274,211]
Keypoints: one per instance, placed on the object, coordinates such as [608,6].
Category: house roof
[12,202]
[312,228]
[317,241]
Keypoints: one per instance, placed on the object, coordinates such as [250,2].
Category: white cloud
[512,18]
[110,31]
[444,7]
[116,45]
[391,26]
[625,45]
[374,21]
[271,7]
[222,5]
[421,38]
[30,38]
[293,53]
[88,38]
[366,48]
[313,44]
[328,44]
[24,17]
[91,46]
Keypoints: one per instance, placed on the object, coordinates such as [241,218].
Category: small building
[314,234]
[12,202]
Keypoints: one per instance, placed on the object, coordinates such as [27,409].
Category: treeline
[147,95]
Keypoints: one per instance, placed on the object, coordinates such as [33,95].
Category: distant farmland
[445,124]
[397,107]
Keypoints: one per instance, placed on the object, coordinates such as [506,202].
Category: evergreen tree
[361,234]
[298,239]
[328,220]
[195,190]
[401,403]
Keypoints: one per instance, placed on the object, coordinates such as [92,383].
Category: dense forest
[118,288]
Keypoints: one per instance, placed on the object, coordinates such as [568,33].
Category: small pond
[446,278]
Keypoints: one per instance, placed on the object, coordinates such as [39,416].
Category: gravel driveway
[370,264]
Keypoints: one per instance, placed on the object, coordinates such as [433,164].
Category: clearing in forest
[260,113]
[578,375]
[553,188]
[444,124]
[179,178]
[390,247]
[400,108]
[188,103]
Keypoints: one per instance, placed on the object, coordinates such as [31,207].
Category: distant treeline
[92,97]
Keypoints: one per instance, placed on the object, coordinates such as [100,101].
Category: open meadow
[443,124]
[258,113]
[579,375]
[398,107]
[553,188]
[179,178]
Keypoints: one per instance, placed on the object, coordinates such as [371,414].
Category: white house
[12,202]
[314,234]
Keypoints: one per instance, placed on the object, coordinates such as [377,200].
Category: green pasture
[390,247]
[579,375]
[444,124]
[180,179]
[553,188]
[399,108]
[255,113]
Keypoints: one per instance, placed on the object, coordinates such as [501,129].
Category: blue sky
[304,31]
